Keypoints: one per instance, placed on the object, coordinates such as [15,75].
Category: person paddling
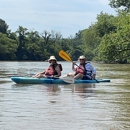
[84,71]
[54,70]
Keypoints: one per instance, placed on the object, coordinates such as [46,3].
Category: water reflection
[82,90]
[53,87]
[41,87]
[85,90]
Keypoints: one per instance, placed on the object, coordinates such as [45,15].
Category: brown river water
[100,106]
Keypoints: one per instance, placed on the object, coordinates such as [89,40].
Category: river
[100,106]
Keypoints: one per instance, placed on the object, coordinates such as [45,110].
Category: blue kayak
[29,80]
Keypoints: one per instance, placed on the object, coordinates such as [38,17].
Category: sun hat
[82,57]
[52,58]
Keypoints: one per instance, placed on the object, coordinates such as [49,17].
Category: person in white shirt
[84,70]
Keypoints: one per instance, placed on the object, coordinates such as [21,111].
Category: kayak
[30,80]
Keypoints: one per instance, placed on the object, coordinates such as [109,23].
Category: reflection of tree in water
[51,92]
[84,90]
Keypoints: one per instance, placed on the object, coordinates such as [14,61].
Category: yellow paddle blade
[64,55]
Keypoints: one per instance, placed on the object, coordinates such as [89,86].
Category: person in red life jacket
[84,70]
[54,70]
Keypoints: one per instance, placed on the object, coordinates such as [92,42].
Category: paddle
[66,79]
[66,57]
[25,72]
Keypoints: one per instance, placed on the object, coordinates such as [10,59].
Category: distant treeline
[107,40]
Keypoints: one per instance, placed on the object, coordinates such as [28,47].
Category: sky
[64,16]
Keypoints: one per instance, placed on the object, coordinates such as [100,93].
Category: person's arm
[93,72]
[43,72]
[93,76]
[38,74]
[73,66]
[58,71]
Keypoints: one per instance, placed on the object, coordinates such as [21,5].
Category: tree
[124,4]
[8,47]
[92,36]
[21,40]
[104,24]
[3,26]
[115,46]
[33,47]
[46,36]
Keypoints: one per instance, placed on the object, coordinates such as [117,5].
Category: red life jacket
[51,69]
[80,69]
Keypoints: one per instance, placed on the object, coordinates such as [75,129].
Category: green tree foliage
[115,47]
[52,42]
[33,48]
[21,41]
[3,26]
[74,46]
[92,36]
[104,24]
[123,4]
[7,48]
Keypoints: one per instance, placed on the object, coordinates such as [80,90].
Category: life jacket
[51,69]
[60,67]
[81,69]
[87,72]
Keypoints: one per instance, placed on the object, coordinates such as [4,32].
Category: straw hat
[52,58]
[82,57]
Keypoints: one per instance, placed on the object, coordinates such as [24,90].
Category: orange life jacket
[51,70]
[80,69]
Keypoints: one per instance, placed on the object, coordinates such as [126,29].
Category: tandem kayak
[29,80]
